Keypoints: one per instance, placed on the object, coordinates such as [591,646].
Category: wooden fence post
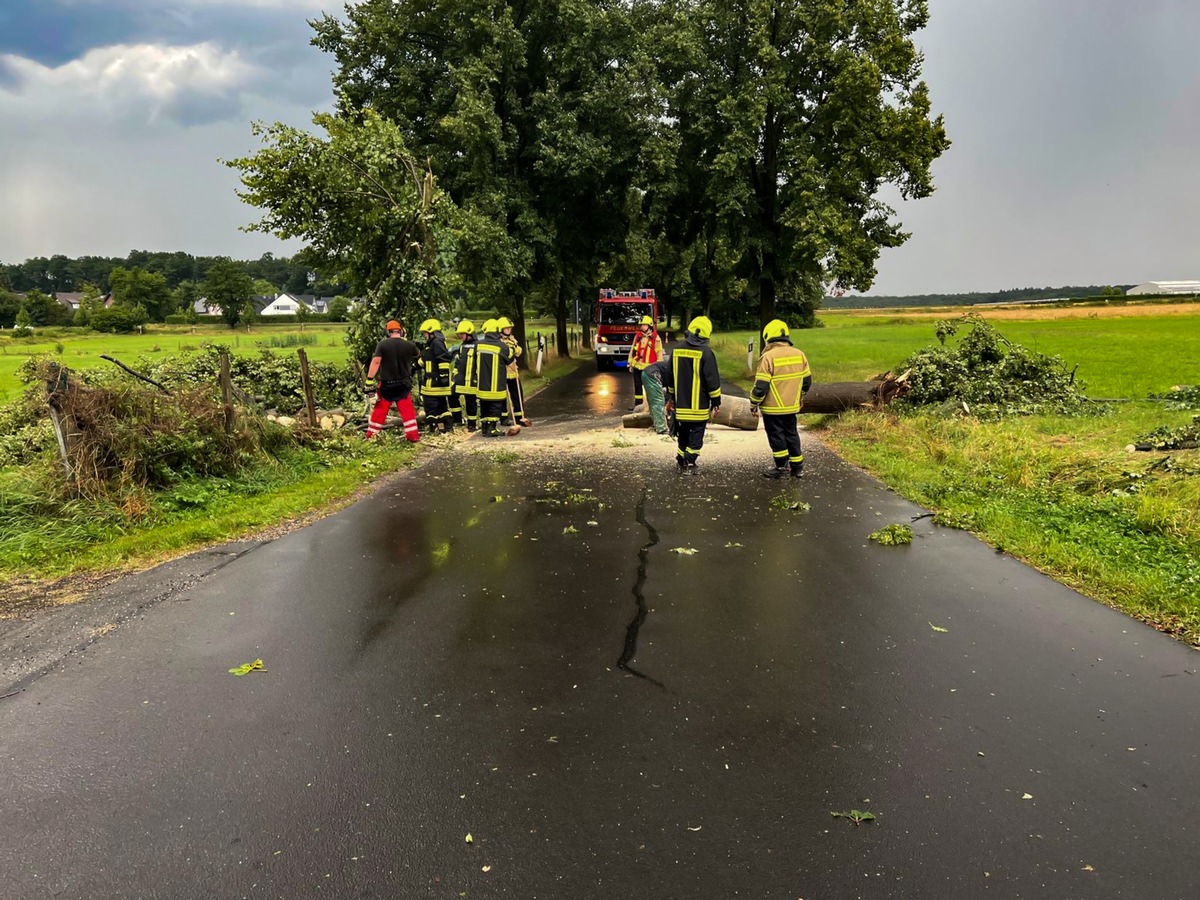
[65,430]
[227,391]
[306,381]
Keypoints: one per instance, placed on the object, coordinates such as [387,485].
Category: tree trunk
[839,396]
[822,399]
[561,313]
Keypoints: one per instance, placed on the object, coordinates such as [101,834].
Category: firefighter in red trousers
[647,349]
[782,380]
[392,364]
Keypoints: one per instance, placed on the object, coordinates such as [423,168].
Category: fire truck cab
[618,315]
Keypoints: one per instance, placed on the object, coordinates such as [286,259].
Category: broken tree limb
[137,375]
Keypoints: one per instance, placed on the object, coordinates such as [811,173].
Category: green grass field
[82,351]
[1117,357]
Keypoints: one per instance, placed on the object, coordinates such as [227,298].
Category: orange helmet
[393,325]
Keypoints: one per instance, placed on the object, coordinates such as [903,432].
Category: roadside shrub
[991,375]
[116,320]
[133,438]
[25,431]
[1184,396]
[176,319]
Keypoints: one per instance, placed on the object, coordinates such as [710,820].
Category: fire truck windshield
[624,313]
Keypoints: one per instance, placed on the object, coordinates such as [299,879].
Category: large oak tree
[792,116]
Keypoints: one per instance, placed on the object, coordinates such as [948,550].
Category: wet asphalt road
[605,717]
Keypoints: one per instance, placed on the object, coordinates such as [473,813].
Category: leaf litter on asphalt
[857,816]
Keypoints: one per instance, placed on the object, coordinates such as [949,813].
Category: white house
[1165,287]
[283,305]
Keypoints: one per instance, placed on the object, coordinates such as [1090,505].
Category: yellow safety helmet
[701,326]
[504,322]
[647,320]
[776,328]
[466,326]
[430,325]
[490,327]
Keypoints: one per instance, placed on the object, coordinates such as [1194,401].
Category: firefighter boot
[775,472]
[798,469]
[471,425]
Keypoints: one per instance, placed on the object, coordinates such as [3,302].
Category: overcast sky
[1076,126]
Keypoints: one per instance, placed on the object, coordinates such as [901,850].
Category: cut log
[839,396]
[734,413]
[823,399]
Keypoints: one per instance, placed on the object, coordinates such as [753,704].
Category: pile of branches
[124,437]
[270,380]
[989,376]
[1183,396]
[1181,437]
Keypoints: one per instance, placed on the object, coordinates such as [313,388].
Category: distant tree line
[61,273]
[149,287]
[1014,295]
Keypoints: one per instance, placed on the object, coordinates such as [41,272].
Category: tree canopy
[732,153]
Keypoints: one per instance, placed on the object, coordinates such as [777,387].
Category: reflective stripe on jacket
[491,358]
[465,375]
[695,379]
[435,367]
[781,380]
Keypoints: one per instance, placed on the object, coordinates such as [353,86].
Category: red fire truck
[618,314]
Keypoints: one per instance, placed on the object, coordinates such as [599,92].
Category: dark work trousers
[456,406]
[491,410]
[783,437]
[637,384]
[437,411]
[690,436]
[469,409]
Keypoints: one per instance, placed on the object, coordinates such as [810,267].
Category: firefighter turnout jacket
[492,356]
[514,351]
[782,379]
[647,349]
[694,379]
[436,362]
[465,374]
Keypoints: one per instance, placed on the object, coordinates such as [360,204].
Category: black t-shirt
[396,357]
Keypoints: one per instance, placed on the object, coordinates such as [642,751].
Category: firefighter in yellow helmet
[492,356]
[782,380]
[695,391]
[647,349]
[516,398]
[465,383]
[436,363]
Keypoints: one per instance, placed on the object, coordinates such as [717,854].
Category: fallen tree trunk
[839,396]
[823,399]
[734,413]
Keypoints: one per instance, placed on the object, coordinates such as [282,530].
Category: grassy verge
[45,539]
[1061,494]
[42,540]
